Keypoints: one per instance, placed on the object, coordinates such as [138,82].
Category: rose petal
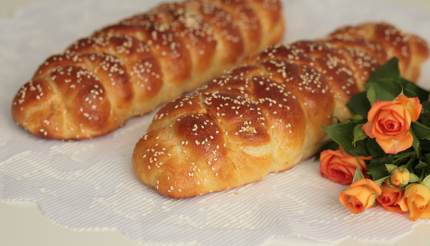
[367,128]
[426,213]
[353,199]
[339,166]
[417,197]
[360,195]
[370,184]
[376,107]
[396,144]
[395,209]
[403,205]
[412,105]
[340,174]
[396,113]
[390,198]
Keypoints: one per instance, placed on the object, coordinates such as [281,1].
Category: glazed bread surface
[129,68]
[267,115]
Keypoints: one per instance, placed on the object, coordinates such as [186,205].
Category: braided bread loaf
[129,68]
[267,115]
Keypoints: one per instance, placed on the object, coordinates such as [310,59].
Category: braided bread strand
[267,115]
[129,68]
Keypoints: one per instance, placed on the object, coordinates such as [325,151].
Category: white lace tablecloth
[90,185]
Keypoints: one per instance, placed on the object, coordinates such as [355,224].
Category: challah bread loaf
[267,115]
[129,68]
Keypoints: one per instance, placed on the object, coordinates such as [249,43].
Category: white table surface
[23,223]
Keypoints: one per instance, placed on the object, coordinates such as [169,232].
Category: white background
[22,223]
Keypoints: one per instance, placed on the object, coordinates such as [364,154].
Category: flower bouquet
[383,151]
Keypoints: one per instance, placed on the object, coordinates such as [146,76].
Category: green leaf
[390,167]
[381,180]
[411,162]
[425,146]
[342,134]
[376,167]
[425,118]
[426,181]
[413,178]
[357,118]
[358,134]
[412,90]
[360,149]
[357,175]
[385,82]
[359,104]
[416,144]
[421,165]
[421,131]
[387,72]
[371,94]
[382,91]
[427,157]
[426,106]
[402,156]
[377,172]
[373,148]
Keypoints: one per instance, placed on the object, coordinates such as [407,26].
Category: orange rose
[389,123]
[402,204]
[360,195]
[400,177]
[390,198]
[417,198]
[340,167]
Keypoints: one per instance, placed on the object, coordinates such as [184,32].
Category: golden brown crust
[129,68]
[267,115]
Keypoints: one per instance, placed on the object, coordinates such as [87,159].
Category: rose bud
[400,177]
[360,195]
